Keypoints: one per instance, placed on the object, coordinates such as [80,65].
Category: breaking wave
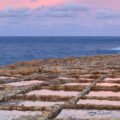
[117,48]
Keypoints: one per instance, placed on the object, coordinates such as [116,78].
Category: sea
[17,49]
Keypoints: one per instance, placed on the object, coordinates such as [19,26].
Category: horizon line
[59,36]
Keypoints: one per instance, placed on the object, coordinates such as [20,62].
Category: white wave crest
[117,48]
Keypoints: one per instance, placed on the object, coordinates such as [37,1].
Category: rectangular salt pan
[104,94]
[50,92]
[86,75]
[10,115]
[87,114]
[108,84]
[86,79]
[4,77]
[65,78]
[75,84]
[38,103]
[25,83]
[99,102]
[114,79]
[99,84]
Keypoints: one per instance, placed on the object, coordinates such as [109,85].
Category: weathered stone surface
[93,64]
[56,72]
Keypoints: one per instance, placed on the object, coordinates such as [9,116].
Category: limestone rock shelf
[63,88]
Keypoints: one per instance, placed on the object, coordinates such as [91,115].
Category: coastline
[82,64]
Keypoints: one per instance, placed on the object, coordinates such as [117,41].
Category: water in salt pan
[86,79]
[65,78]
[108,84]
[104,94]
[4,77]
[50,92]
[86,75]
[114,79]
[86,114]
[75,84]
[10,115]
[25,83]
[100,84]
[38,103]
[99,102]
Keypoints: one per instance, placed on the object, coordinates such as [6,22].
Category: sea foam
[117,48]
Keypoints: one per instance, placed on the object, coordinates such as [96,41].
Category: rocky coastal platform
[74,88]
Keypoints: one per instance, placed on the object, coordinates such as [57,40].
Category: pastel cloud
[59,17]
[71,6]
[68,9]
[107,14]
[15,12]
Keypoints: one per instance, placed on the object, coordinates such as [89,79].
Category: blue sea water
[15,49]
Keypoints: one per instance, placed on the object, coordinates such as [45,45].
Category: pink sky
[60,17]
[28,3]
[103,3]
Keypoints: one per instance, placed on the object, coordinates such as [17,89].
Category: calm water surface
[15,49]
